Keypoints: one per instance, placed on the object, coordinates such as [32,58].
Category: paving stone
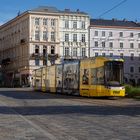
[28,115]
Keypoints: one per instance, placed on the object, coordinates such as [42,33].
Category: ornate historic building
[40,37]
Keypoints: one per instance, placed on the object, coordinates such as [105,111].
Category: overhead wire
[112,8]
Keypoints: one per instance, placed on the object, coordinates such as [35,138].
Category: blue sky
[129,10]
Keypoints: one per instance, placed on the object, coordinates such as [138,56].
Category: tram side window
[97,77]
[93,76]
[85,77]
[37,81]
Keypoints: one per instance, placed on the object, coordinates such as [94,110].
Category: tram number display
[116,92]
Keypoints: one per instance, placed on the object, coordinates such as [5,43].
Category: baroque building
[40,37]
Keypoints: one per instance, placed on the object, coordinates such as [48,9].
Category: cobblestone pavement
[28,115]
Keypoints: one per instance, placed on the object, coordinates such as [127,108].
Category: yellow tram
[91,77]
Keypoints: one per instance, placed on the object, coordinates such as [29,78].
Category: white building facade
[114,38]
[74,35]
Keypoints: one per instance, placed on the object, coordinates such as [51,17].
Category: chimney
[78,10]
[67,10]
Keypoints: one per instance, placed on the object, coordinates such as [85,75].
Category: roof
[49,9]
[45,9]
[113,22]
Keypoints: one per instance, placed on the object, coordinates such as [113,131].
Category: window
[36,35]
[139,69]
[111,44]
[74,51]
[45,55]
[131,45]
[121,45]
[85,76]
[37,62]
[66,24]
[121,55]
[83,52]
[121,34]
[98,76]
[45,21]
[96,54]
[103,54]
[131,69]
[96,43]
[110,34]
[36,49]
[83,24]
[103,44]
[74,24]
[66,37]
[138,35]
[44,50]
[52,36]
[139,45]
[83,37]
[36,21]
[132,56]
[52,49]
[52,22]
[45,35]
[131,35]
[74,37]
[111,54]
[96,33]
[66,51]
[103,33]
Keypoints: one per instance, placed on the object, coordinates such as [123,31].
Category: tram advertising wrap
[92,77]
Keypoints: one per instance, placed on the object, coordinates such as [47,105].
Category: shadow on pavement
[41,95]
[35,95]
[74,109]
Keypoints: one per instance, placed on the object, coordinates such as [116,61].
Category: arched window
[52,49]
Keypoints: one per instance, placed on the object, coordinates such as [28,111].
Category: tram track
[99,101]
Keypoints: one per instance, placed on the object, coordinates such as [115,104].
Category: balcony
[52,56]
[42,56]
[22,41]
[36,55]
[6,61]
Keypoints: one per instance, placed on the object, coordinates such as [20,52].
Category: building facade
[115,38]
[40,37]
[74,34]
[26,43]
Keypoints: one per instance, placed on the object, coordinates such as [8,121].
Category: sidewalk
[17,89]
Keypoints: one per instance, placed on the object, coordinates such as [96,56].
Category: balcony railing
[44,56]
[35,55]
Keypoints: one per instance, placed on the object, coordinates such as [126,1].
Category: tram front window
[114,73]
